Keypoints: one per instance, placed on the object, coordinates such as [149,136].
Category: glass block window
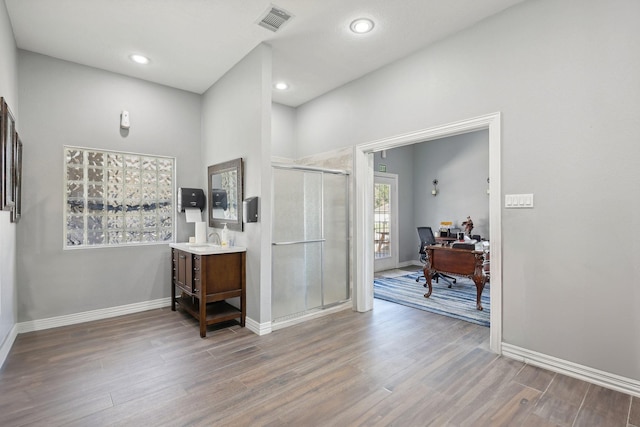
[115,199]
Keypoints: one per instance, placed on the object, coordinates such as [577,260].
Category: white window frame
[391,261]
[82,195]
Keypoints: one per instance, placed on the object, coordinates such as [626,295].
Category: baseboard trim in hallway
[88,316]
[570,369]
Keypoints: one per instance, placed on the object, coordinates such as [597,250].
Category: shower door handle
[297,242]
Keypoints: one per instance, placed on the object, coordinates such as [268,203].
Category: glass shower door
[336,234]
[297,242]
[310,241]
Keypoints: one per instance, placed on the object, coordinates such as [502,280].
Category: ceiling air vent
[274,18]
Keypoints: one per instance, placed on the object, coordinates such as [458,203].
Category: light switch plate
[518,201]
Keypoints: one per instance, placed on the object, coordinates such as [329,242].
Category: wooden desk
[446,240]
[458,262]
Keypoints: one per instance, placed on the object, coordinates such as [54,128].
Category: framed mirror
[226,187]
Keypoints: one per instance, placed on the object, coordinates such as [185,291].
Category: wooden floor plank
[392,366]
[634,413]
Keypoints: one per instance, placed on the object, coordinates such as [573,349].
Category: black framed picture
[2,160]
[17,180]
[7,144]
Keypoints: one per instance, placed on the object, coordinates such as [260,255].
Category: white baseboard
[257,328]
[409,263]
[88,316]
[585,373]
[7,344]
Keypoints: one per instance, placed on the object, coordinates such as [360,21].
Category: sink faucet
[217,237]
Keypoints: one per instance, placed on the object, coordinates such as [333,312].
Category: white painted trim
[494,123]
[414,263]
[105,313]
[320,313]
[257,328]
[5,348]
[363,189]
[585,373]
[363,230]
[88,316]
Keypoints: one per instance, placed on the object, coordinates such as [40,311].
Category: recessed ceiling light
[140,59]
[281,86]
[361,25]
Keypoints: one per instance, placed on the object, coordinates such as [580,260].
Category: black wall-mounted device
[190,198]
[219,198]
[250,209]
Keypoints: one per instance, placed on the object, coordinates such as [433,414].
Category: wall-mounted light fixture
[383,154]
[124,120]
[488,189]
[434,192]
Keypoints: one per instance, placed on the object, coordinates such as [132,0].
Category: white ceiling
[192,43]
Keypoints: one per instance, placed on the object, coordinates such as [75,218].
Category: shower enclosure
[310,240]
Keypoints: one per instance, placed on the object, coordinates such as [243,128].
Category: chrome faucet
[217,237]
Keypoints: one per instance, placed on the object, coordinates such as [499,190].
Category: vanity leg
[202,302]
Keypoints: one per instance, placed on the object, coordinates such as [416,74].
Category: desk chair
[427,238]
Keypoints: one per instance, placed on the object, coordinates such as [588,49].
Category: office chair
[426,239]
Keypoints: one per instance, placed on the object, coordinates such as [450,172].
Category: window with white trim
[114,199]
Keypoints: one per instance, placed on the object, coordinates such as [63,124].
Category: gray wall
[236,122]
[461,165]
[68,104]
[283,119]
[8,90]
[565,77]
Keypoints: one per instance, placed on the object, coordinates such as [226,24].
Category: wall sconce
[488,190]
[434,192]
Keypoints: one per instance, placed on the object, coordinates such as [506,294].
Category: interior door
[385,221]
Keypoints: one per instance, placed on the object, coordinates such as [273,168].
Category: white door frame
[394,249]
[363,230]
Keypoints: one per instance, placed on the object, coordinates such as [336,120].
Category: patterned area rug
[458,302]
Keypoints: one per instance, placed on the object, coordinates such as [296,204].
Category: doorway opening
[364,184]
[461,164]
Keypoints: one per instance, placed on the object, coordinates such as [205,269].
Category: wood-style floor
[392,366]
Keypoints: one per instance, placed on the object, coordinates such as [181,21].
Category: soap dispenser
[224,238]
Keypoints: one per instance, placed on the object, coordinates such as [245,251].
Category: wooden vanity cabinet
[201,284]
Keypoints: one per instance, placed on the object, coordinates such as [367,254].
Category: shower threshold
[303,316]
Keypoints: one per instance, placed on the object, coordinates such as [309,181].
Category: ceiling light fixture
[361,25]
[139,59]
[281,86]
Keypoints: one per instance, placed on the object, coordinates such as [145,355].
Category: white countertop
[207,248]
